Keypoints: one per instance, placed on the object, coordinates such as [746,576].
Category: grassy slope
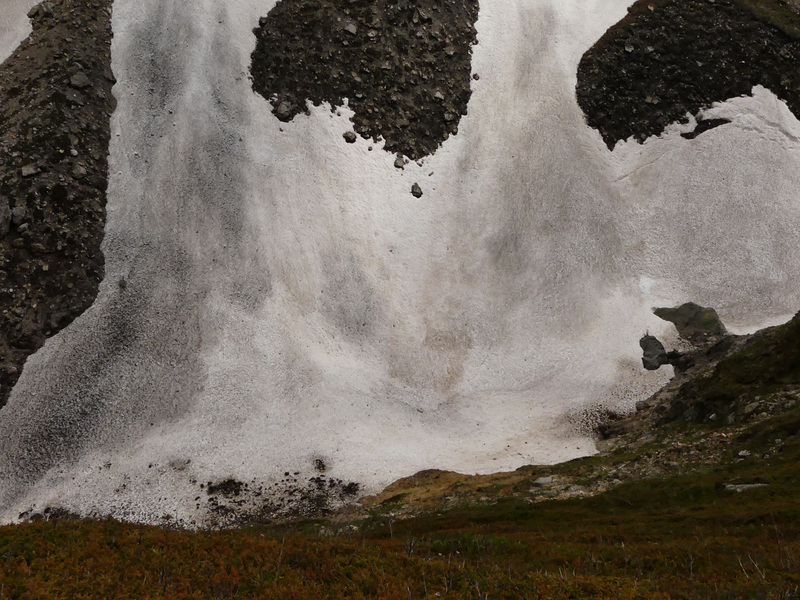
[684,536]
[782,14]
[678,536]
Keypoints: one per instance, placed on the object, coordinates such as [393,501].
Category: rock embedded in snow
[349,137]
[702,126]
[284,110]
[416,191]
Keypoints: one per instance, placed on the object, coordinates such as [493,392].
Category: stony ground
[733,399]
[403,66]
[667,59]
[55,93]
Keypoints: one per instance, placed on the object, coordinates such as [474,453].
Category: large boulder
[654,355]
[694,322]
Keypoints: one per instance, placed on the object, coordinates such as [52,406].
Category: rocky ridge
[55,91]
[404,67]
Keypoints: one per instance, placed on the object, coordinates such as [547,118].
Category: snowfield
[14,24]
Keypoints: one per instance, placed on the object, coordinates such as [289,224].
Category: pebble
[743,487]
[29,170]
[80,81]
[751,408]
[18,214]
[284,110]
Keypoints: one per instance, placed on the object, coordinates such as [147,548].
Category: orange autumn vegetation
[505,551]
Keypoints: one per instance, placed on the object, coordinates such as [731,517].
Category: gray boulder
[654,355]
[80,80]
[694,322]
[18,215]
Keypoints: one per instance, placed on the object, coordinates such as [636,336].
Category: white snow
[14,24]
[288,298]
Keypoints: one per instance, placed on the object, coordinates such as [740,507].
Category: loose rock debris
[55,94]
[404,67]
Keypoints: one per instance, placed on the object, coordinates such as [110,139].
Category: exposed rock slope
[55,93]
[666,59]
[403,66]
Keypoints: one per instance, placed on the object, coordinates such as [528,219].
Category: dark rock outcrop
[694,323]
[654,355]
[403,66]
[667,58]
[731,381]
[702,126]
[55,91]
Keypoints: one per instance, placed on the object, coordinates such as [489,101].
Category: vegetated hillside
[684,508]
[55,94]
[725,529]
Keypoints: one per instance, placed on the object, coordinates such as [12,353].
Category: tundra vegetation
[688,506]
